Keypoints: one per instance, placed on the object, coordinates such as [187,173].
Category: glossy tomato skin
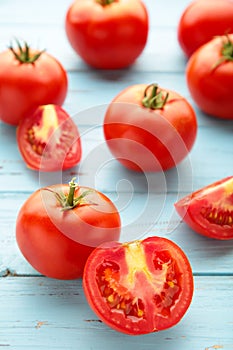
[56,242]
[201,21]
[25,86]
[148,140]
[210,84]
[108,36]
[139,287]
[209,211]
[49,140]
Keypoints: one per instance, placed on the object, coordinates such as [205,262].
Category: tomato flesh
[139,287]
[49,140]
[209,211]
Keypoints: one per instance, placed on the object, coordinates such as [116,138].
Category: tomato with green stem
[107,34]
[59,226]
[203,20]
[139,287]
[209,211]
[149,128]
[209,75]
[29,78]
[49,140]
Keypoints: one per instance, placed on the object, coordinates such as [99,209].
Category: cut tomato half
[139,287]
[49,140]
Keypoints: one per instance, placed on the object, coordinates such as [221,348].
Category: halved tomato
[139,287]
[49,140]
[209,211]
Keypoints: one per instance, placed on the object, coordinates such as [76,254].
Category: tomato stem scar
[155,100]
[105,2]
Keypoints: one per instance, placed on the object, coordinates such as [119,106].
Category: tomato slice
[139,287]
[49,140]
[209,211]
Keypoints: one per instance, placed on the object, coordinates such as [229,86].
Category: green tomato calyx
[23,53]
[226,51]
[106,2]
[69,201]
[154,99]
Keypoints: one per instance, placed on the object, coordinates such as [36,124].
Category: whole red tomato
[209,211]
[202,20]
[49,140]
[139,287]
[209,75]
[57,228]
[148,128]
[107,34]
[29,78]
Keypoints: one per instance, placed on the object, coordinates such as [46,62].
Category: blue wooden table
[42,313]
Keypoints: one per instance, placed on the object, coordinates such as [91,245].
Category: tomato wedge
[139,287]
[209,211]
[49,140]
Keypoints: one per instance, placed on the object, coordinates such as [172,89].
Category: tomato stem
[226,52]
[155,100]
[69,201]
[23,54]
[70,197]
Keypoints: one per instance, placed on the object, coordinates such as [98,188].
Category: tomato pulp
[209,211]
[49,140]
[139,287]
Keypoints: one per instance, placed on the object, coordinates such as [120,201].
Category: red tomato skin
[57,243]
[149,140]
[63,154]
[211,88]
[219,197]
[25,86]
[107,37]
[201,21]
[153,320]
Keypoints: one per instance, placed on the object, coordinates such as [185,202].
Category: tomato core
[39,134]
[120,294]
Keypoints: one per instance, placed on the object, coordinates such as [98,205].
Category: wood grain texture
[41,313]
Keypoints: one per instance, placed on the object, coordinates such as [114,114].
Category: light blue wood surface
[41,313]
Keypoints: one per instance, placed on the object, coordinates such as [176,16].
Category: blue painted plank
[43,313]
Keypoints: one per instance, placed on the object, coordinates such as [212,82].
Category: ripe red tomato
[58,227]
[107,34]
[148,128]
[202,20]
[209,211]
[49,140]
[139,287]
[28,79]
[209,75]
